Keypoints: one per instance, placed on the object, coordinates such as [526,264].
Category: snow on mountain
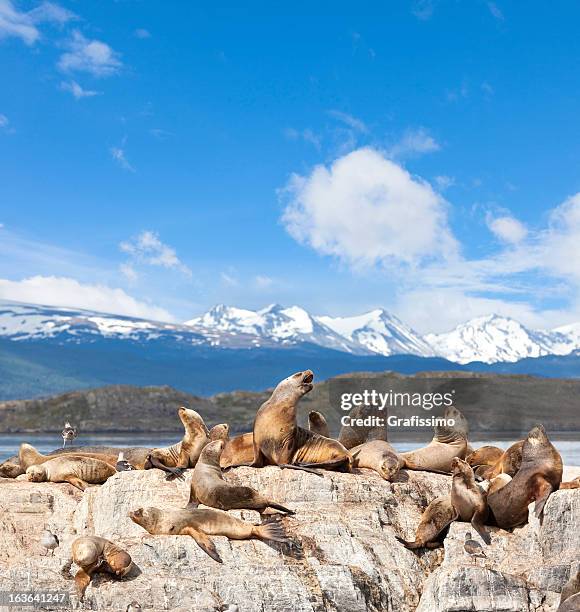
[380,332]
[274,323]
[493,338]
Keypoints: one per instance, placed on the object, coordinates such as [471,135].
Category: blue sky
[160,157]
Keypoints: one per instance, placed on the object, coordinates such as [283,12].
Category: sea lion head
[120,562]
[316,418]
[36,473]
[295,386]
[537,436]
[456,426]
[192,421]
[459,467]
[389,467]
[219,432]
[211,452]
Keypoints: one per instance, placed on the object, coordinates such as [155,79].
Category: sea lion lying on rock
[379,456]
[78,471]
[93,554]
[182,455]
[432,528]
[485,455]
[468,499]
[539,475]
[449,441]
[28,455]
[509,462]
[204,522]
[209,487]
[278,440]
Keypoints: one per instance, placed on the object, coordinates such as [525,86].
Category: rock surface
[346,557]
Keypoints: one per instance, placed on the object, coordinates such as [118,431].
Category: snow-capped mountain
[493,339]
[274,323]
[380,332]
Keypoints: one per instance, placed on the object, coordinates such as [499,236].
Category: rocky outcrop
[345,555]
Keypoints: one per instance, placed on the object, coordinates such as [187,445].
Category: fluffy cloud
[63,291]
[77,91]
[414,142]
[366,209]
[148,248]
[92,56]
[507,229]
[23,25]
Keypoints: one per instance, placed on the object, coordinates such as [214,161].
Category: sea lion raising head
[220,432]
[209,487]
[317,423]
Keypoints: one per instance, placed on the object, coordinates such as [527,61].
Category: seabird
[68,433]
[473,548]
[49,540]
[122,464]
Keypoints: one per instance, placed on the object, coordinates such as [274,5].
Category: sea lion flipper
[541,502]
[479,526]
[280,507]
[303,468]
[203,541]
[82,580]
[325,465]
[77,482]
[407,544]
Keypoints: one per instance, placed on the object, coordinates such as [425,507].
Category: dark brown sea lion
[209,487]
[354,435]
[539,475]
[278,440]
[449,441]
[93,554]
[508,463]
[204,522]
[220,432]
[78,471]
[379,456]
[467,498]
[238,451]
[438,515]
[178,457]
[317,423]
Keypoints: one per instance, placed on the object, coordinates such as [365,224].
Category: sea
[9,443]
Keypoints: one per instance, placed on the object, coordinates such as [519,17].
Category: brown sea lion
[438,515]
[78,471]
[317,423]
[209,487]
[572,604]
[93,554]
[508,463]
[28,455]
[571,484]
[220,432]
[11,468]
[355,435]
[570,589]
[278,440]
[178,457]
[495,484]
[379,456]
[204,522]
[539,475]
[449,441]
[467,498]
[485,455]
[238,451]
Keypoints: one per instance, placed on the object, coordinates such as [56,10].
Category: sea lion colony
[529,471]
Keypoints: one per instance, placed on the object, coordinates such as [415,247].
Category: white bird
[68,433]
[49,540]
[473,548]
[122,464]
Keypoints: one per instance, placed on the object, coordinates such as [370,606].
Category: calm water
[9,443]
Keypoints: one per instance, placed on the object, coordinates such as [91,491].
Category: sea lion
[485,455]
[10,468]
[572,604]
[570,589]
[317,423]
[28,455]
[355,435]
[571,484]
[78,471]
[508,463]
[278,440]
[379,456]
[449,441]
[495,484]
[93,554]
[204,522]
[438,515]
[238,451]
[220,432]
[209,487]
[182,455]
[539,475]
[467,498]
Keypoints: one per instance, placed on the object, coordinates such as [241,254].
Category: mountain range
[46,349]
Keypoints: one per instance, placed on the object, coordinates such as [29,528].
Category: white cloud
[118,154]
[444,182]
[148,248]
[263,282]
[4,122]
[507,229]
[129,272]
[495,11]
[349,121]
[414,142]
[77,91]
[63,291]
[229,279]
[51,13]
[92,56]
[366,209]
[307,135]
[142,33]
[14,23]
